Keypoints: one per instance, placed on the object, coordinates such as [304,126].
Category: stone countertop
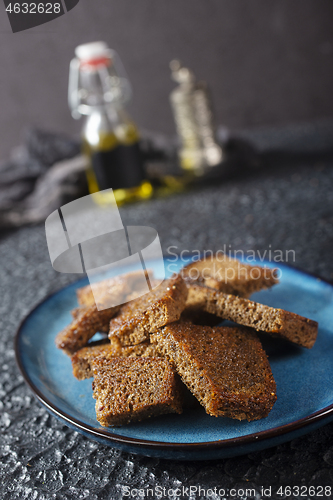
[288,206]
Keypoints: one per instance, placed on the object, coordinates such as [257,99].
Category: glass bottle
[98,88]
[194,120]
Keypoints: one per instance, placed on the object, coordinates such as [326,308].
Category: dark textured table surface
[289,205]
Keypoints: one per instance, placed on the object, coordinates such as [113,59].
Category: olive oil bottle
[98,88]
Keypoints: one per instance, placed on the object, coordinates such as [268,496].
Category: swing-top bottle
[98,88]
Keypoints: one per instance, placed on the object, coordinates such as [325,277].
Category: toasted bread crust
[87,321]
[229,275]
[82,359]
[132,389]
[277,322]
[225,368]
[137,319]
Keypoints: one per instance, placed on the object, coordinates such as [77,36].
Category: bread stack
[167,339]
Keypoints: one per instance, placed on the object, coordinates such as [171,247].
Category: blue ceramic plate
[303,378]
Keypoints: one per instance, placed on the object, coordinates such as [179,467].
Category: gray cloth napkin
[41,175]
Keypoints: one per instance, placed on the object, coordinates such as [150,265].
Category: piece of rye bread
[121,287]
[87,321]
[82,359]
[132,389]
[229,275]
[225,368]
[138,318]
[277,322]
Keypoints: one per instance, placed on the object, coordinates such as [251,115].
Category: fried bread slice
[225,368]
[277,322]
[87,321]
[82,359]
[138,318]
[132,389]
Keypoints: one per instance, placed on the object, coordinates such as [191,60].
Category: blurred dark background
[267,63]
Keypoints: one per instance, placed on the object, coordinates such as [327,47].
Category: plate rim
[104,434]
